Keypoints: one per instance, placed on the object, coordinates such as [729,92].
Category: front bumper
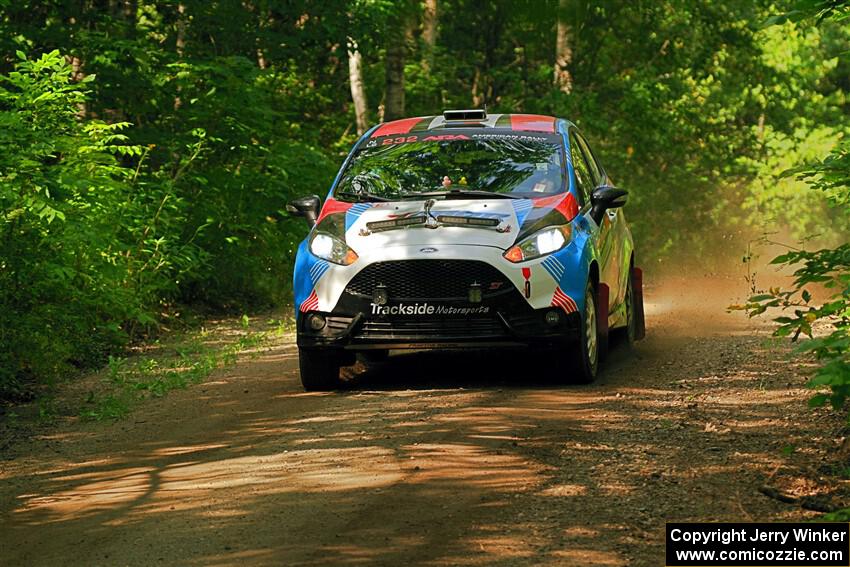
[505,320]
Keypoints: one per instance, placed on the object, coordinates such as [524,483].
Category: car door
[618,233]
[589,176]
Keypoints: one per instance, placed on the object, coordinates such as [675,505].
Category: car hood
[488,222]
[500,214]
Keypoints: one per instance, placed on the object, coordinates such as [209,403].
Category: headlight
[332,249]
[540,243]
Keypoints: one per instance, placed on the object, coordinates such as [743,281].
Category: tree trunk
[400,31]
[563,52]
[394,97]
[430,19]
[476,98]
[180,44]
[264,23]
[358,92]
[181,30]
[129,9]
[77,75]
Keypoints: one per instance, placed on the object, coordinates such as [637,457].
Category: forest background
[147,149]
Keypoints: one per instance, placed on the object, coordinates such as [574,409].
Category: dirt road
[434,459]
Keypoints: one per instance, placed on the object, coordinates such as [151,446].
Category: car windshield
[522,165]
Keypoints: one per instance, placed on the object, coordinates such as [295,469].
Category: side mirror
[604,198]
[307,207]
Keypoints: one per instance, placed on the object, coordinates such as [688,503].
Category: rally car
[466,230]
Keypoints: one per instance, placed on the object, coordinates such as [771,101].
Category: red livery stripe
[564,203]
[311,303]
[568,207]
[564,301]
[548,201]
[396,127]
[532,122]
[333,206]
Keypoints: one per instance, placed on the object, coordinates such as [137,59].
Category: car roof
[516,122]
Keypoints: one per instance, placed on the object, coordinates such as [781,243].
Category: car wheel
[587,350]
[319,369]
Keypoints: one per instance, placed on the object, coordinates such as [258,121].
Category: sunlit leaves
[829,269]
[817,10]
[83,249]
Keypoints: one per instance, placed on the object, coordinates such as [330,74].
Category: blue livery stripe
[317,270]
[554,267]
[557,263]
[521,207]
[554,264]
[359,208]
[354,213]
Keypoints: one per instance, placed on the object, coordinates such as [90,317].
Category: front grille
[442,329]
[429,279]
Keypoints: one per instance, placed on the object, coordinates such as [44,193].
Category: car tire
[587,352]
[319,369]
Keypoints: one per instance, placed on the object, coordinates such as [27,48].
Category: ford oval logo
[427,250]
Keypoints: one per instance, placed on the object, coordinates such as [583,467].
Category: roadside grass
[177,360]
[842,515]
[176,364]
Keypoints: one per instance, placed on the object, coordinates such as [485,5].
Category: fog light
[552,317]
[316,322]
[475,294]
[380,295]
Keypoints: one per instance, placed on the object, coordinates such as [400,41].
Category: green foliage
[842,515]
[827,269]
[775,198]
[58,180]
[147,148]
[89,247]
[100,236]
[826,323]
[107,407]
[129,381]
[820,10]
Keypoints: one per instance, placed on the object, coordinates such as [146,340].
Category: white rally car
[466,230]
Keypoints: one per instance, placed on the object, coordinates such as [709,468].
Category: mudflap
[602,297]
[637,288]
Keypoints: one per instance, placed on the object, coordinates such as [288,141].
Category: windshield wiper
[458,193]
[361,196]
